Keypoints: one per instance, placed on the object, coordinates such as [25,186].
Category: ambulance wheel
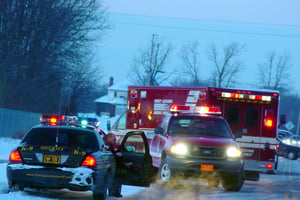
[292,155]
[233,183]
[165,176]
[213,183]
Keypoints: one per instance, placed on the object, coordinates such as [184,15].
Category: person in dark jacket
[116,186]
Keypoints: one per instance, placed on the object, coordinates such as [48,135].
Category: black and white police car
[75,158]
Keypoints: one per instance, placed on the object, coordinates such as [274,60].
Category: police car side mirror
[158,130]
[238,134]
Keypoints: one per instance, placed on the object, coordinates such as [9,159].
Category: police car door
[135,151]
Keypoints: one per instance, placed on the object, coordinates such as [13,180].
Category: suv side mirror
[238,134]
[159,130]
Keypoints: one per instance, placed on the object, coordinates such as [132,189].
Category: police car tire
[233,183]
[292,155]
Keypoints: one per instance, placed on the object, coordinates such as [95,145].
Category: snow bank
[7,145]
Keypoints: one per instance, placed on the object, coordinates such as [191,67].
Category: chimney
[111,81]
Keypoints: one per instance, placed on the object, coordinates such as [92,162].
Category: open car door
[135,150]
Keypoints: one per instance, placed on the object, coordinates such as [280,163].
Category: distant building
[114,102]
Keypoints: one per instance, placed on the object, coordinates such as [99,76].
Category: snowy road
[285,184]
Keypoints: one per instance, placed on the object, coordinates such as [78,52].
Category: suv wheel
[165,175]
[213,183]
[234,182]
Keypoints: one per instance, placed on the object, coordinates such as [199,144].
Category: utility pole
[150,64]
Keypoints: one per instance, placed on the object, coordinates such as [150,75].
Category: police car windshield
[61,137]
[199,126]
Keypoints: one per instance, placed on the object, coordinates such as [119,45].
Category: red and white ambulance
[252,113]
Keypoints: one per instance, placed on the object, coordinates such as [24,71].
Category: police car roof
[65,127]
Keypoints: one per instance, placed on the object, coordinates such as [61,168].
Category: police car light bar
[176,108]
[52,119]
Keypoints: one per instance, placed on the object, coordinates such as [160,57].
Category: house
[114,102]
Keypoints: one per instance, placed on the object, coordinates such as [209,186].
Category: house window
[115,94]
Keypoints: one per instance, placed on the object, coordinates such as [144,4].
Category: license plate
[207,168]
[52,159]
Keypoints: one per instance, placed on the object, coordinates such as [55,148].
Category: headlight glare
[179,149]
[233,152]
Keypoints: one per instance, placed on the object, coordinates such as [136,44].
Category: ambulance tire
[165,177]
[233,183]
[292,155]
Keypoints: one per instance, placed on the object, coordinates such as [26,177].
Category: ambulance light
[269,166]
[243,95]
[268,122]
[133,93]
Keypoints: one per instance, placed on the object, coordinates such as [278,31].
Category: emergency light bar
[196,109]
[249,96]
[52,120]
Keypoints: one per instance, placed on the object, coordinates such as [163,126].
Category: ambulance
[250,113]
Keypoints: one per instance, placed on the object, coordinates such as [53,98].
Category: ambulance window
[233,115]
[122,123]
[252,117]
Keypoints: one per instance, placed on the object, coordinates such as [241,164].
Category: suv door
[135,150]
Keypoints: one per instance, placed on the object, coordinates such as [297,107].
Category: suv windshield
[199,126]
[61,137]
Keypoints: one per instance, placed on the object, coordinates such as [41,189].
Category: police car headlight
[233,152]
[179,149]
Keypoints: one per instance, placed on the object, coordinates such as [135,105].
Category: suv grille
[207,152]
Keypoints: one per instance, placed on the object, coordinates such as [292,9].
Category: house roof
[109,98]
[122,86]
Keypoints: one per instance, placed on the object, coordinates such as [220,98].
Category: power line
[209,30]
[209,20]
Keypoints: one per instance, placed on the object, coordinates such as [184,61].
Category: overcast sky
[263,25]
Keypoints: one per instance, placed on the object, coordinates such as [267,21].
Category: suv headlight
[179,149]
[233,152]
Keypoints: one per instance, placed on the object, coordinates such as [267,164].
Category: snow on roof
[109,98]
[122,86]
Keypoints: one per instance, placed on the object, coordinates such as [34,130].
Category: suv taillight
[89,161]
[15,156]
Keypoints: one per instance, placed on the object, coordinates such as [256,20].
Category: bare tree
[149,66]
[41,43]
[190,57]
[226,66]
[274,72]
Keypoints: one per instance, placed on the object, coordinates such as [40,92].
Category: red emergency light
[208,110]
[175,108]
[268,122]
[52,120]
[269,166]
[197,109]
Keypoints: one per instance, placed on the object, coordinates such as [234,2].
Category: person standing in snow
[116,186]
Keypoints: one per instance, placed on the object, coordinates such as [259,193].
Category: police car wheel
[233,183]
[292,155]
